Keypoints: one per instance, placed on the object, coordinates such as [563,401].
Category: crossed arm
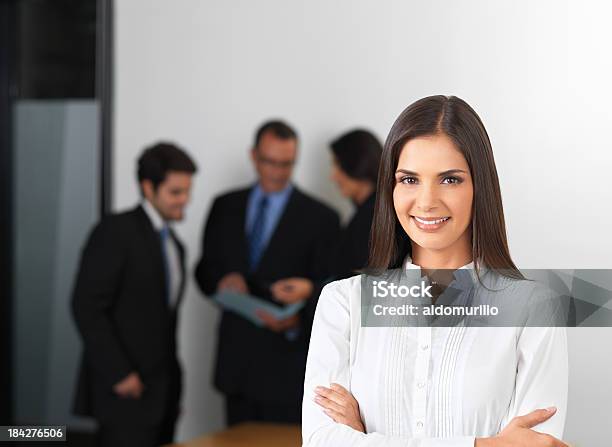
[333,418]
[340,405]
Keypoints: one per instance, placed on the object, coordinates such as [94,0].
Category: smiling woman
[438,159]
[438,207]
[435,207]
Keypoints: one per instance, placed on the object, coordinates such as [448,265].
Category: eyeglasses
[275,163]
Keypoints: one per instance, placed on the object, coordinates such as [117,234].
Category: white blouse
[428,386]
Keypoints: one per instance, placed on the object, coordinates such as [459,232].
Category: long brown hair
[452,116]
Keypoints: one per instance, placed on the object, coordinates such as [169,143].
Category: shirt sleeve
[328,362]
[541,377]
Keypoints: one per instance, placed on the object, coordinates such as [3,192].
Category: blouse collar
[408,265]
[460,274]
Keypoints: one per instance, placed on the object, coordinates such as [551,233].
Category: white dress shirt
[174,266]
[428,386]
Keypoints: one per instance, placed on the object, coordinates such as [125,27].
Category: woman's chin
[429,241]
[432,245]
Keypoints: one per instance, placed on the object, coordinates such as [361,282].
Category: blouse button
[421,384]
[424,347]
[419,424]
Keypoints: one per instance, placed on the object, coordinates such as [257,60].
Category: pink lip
[429,228]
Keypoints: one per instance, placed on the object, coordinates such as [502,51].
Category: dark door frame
[8,14]
[8,94]
[104,93]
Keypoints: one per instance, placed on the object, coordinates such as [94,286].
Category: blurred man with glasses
[254,238]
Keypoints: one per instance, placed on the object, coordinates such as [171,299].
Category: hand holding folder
[247,306]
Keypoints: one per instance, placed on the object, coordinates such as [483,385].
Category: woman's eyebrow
[441,174]
[451,171]
[405,171]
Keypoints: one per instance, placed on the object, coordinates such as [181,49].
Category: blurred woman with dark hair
[356,156]
[438,207]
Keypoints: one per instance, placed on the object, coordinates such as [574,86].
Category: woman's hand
[340,405]
[519,432]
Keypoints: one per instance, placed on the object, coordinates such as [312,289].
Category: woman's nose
[426,198]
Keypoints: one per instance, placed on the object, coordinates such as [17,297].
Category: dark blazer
[351,251]
[126,325]
[252,361]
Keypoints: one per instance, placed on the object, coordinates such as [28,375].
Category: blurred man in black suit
[255,237]
[125,303]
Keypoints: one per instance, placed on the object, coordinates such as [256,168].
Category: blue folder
[246,306]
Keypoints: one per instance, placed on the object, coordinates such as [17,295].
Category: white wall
[206,73]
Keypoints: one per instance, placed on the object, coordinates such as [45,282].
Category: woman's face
[433,194]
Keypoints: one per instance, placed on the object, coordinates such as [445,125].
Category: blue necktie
[164,234]
[257,233]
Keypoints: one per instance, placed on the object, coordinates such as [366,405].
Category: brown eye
[451,180]
[408,180]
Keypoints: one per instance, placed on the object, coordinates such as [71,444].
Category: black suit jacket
[120,310]
[351,251]
[253,361]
